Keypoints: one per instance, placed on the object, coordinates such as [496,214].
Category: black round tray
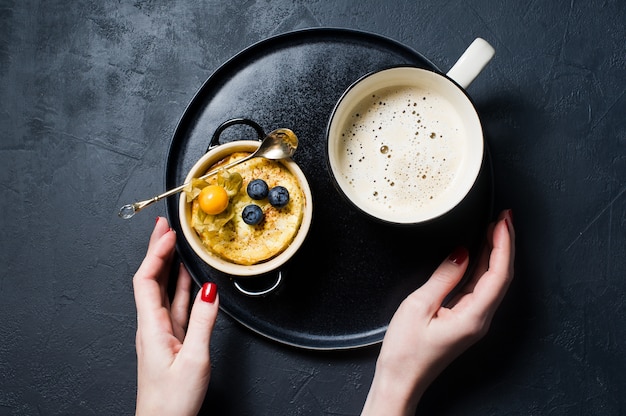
[343,286]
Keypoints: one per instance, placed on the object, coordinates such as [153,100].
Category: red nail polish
[458,256]
[157,220]
[510,215]
[508,224]
[209,292]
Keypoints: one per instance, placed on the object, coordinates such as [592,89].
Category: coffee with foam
[399,150]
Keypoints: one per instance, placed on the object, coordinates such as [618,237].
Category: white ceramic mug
[405,144]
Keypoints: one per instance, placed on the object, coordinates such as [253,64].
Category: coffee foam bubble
[401,148]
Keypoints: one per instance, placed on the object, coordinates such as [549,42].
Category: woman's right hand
[173,360]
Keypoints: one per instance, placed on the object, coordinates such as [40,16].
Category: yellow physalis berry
[213,199]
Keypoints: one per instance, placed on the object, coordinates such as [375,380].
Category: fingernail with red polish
[510,215]
[157,219]
[458,256]
[209,292]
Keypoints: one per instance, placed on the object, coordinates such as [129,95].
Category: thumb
[201,322]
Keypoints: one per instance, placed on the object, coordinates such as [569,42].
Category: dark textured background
[91,93]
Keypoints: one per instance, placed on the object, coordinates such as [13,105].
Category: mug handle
[215,140]
[473,60]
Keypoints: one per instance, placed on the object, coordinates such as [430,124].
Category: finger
[201,323]
[180,304]
[443,280]
[482,265]
[493,284]
[151,277]
[511,229]
[159,255]
[507,216]
[160,228]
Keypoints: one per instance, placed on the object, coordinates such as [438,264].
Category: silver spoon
[278,144]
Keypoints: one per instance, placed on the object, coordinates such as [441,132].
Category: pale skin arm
[173,363]
[424,337]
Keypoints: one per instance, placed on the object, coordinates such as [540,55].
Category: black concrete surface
[91,93]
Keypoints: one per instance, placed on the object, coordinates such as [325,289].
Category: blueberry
[252,214]
[278,196]
[257,189]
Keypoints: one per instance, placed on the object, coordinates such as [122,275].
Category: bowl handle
[215,140]
[473,60]
[274,286]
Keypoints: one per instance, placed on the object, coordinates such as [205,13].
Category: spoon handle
[230,165]
[129,210]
